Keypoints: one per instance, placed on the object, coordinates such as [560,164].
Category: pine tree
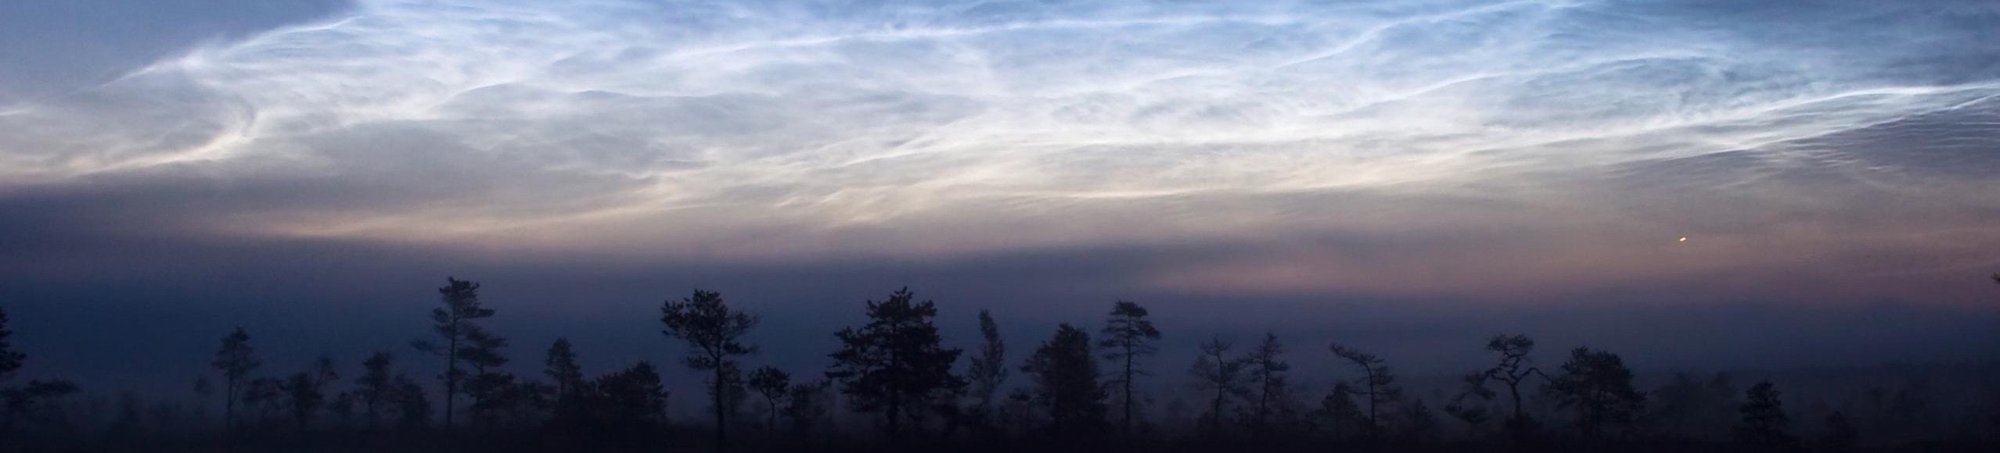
[1267,367]
[306,392]
[1216,373]
[1338,412]
[561,367]
[1514,369]
[489,385]
[1597,387]
[30,397]
[1764,424]
[1128,335]
[1066,383]
[235,360]
[570,388]
[806,404]
[770,383]
[375,387]
[1376,384]
[10,359]
[412,404]
[988,369]
[454,323]
[896,363]
[633,397]
[714,333]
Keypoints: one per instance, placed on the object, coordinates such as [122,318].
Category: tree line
[896,385]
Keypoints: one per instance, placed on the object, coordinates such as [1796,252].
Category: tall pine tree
[1128,335]
[714,335]
[235,360]
[895,364]
[455,324]
[1066,383]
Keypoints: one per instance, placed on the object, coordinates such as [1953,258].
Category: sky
[1698,184]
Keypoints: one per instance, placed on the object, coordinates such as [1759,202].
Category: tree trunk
[721,425]
[450,377]
[1128,389]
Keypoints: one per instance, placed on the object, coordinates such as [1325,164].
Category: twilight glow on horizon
[1494,154]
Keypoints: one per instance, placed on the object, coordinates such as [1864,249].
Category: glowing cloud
[775,131]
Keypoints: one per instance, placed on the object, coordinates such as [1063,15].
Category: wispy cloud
[754,131]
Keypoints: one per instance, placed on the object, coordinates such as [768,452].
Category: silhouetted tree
[1266,366]
[344,406]
[1128,335]
[734,394]
[562,369]
[1514,369]
[1218,374]
[713,332]
[569,385]
[895,363]
[28,400]
[413,406]
[1418,421]
[306,393]
[1473,415]
[1764,421]
[1066,382]
[1339,414]
[31,400]
[235,360]
[1597,387]
[374,389]
[267,396]
[770,383]
[490,387]
[10,359]
[631,398]
[454,324]
[806,404]
[1376,383]
[988,369]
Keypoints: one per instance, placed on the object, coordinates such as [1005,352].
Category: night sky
[1408,177]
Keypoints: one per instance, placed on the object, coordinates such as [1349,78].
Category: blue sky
[1450,167]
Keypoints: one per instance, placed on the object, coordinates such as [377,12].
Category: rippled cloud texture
[1813,153]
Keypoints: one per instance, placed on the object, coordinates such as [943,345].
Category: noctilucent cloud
[1821,176]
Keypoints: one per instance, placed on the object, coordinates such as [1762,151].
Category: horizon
[1703,186]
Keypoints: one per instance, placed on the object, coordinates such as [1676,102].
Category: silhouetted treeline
[891,383]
